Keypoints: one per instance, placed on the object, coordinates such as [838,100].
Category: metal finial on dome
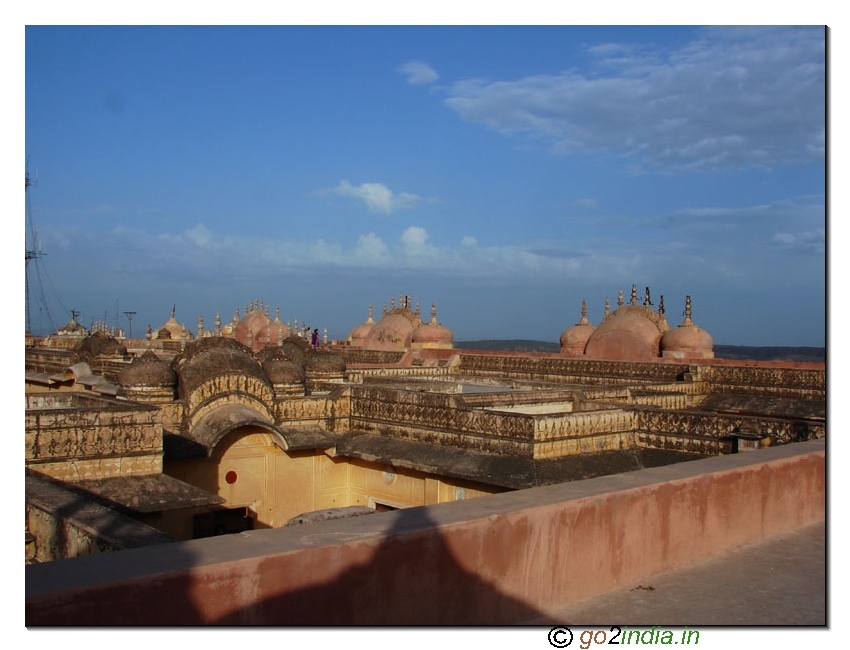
[583,320]
[647,301]
[607,307]
[200,326]
[149,332]
[384,312]
[433,312]
[370,319]
[417,307]
[620,298]
[392,303]
[277,314]
[661,305]
[325,337]
[634,294]
[236,315]
[687,310]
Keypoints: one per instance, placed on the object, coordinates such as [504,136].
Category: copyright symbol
[560,637]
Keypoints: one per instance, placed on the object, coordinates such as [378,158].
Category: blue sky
[504,173]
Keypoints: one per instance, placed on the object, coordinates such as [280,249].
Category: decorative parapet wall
[377,357]
[74,436]
[564,434]
[330,411]
[515,423]
[579,371]
[760,380]
[439,419]
[709,432]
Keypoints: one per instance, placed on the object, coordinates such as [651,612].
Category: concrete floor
[779,581]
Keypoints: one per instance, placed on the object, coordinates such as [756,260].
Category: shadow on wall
[407,576]
[411,578]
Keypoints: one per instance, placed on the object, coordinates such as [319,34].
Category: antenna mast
[31,253]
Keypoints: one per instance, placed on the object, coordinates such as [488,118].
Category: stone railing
[780,382]
[709,432]
[439,419]
[65,437]
[580,371]
[378,357]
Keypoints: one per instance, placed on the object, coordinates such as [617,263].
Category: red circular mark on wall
[231,477]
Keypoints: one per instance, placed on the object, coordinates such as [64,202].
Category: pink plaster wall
[496,559]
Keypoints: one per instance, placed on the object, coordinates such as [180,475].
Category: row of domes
[401,328]
[636,332]
[286,365]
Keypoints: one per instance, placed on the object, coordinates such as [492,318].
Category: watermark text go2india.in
[562,637]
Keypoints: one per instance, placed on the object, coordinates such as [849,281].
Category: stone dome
[393,332]
[72,329]
[249,327]
[280,367]
[574,339]
[100,344]
[272,334]
[209,357]
[359,333]
[171,329]
[687,340]
[631,333]
[148,370]
[432,334]
[283,371]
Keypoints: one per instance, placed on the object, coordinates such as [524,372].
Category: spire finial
[433,312]
[634,294]
[647,301]
[173,310]
[661,305]
[607,307]
[687,310]
[620,298]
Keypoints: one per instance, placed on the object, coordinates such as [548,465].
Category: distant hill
[509,345]
[817,355]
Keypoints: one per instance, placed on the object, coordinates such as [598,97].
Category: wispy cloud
[377,197]
[807,242]
[418,73]
[732,98]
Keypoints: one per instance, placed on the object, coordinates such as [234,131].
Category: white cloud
[468,241]
[418,73]
[377,197]
[732,98]
[370,248]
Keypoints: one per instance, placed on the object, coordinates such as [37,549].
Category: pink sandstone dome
[631,333]
[254,321]
[393,332]
[574,339]
[359,333]
[687,340]
[433,334]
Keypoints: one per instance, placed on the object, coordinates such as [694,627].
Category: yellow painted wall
[278,486]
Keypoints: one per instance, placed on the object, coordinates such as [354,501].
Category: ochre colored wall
[279,486]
